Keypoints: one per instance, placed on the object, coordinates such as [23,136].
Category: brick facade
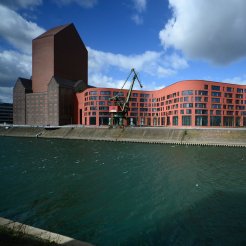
[59,67]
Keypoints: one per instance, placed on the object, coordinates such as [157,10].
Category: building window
[215,120]
[239,90]
[200,105]
[228,89]
[201,120]
[198,99]
[215,88]
[201,111]
[228,95]
[93,98]
[228,121]
[144,95]
[187,105]
[105,108]
[216,106]
[105,92]
[93,92]
[216,94]
[175,120]
[203,93]
[187,92]
[143,100]
[92,120]
[104,98]
[186,120]
[188,111]
[216,100]
[239,95]
[118,93]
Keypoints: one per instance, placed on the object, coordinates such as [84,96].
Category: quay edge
[45,236]
[231,137]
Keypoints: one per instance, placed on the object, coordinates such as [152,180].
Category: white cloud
[23,4]
[137,19]
[241,80]
[13,65]
[18,31]
[6,94]
[209,30]
[101,80]
[165,72]
[140,5]
[149,62]
[82,3]
[99,60]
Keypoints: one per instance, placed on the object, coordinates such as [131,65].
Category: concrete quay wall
[192,136]
[36,233]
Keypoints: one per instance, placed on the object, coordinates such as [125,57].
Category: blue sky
[164,40]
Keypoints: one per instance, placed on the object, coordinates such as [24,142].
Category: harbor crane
[120,105]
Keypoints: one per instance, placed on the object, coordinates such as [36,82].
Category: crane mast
[119,108]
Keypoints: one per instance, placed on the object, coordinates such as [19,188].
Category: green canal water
[125,193]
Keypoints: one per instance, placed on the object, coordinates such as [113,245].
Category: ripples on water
[126,194]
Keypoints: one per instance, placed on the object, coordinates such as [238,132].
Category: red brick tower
[59,52]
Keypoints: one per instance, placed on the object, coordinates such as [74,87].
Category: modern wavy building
[58,93]
[194,103]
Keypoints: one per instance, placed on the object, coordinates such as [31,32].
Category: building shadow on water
[219,219]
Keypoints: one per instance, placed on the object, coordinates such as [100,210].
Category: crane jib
[120,106]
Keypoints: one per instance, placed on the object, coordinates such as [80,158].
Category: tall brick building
[59,69]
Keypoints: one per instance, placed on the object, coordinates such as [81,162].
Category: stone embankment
[19,230]
[190,136]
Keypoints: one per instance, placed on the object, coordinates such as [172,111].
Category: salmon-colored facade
[189,103]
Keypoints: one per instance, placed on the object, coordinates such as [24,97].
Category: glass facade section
[175,120]
[228,121]
[186,120]
[215,120]
[201,120]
